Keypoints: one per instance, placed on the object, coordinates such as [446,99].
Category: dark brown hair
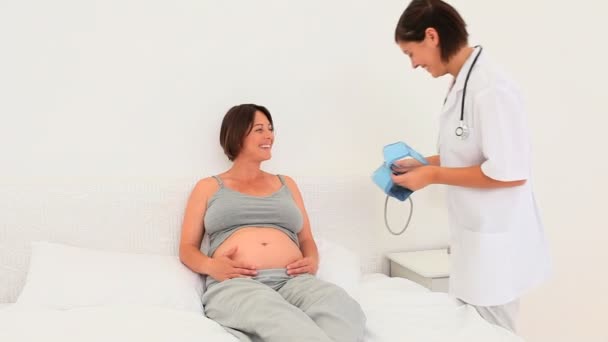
[422,14]
[237,123]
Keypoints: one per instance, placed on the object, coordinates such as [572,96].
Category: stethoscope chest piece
[462,131]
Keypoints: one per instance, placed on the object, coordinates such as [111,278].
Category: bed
[396,309]
[98,263]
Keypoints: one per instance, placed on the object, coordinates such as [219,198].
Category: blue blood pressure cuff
[382,176]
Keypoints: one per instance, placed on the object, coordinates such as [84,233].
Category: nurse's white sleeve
[504,133]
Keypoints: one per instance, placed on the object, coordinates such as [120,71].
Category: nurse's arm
[405,165]
[433,160]
[471,177]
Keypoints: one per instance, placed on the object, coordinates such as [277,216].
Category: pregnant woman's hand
[224,267]
[303,265]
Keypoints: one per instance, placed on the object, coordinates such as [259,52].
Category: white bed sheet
[109,323]
[396,309]
[400,310]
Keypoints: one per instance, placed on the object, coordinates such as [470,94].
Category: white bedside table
[428,268]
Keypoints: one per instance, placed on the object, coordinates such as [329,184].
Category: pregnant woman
[262,259]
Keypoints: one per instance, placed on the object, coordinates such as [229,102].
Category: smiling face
[257,144]
[426,53]
[247,132]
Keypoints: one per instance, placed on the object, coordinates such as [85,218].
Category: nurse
[498,245]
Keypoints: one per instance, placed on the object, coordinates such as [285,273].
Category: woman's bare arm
[193,228]
[310,262]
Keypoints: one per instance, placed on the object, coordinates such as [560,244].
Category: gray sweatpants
[274,306]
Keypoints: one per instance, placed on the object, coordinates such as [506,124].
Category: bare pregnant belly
[262,247]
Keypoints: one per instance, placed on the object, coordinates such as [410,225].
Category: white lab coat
[497,241]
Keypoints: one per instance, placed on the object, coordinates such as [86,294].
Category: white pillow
[339,266]
[65,277]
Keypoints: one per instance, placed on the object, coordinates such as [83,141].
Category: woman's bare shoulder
[290,182]
[205,187]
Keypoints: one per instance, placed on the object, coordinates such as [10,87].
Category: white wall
[106,89]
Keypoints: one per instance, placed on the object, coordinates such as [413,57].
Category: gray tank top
[229,210]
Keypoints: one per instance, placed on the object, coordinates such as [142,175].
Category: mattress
[396,310]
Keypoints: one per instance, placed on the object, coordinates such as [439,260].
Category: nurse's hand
[405,165]
[416,178]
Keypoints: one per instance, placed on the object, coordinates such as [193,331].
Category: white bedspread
[111,323]
[396,309]
[400,310]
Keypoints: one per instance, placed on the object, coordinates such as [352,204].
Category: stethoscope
[462,131]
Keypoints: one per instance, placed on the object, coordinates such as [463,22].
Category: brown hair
[237,123]
[422,14]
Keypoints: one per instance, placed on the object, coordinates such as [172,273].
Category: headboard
[144,216]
